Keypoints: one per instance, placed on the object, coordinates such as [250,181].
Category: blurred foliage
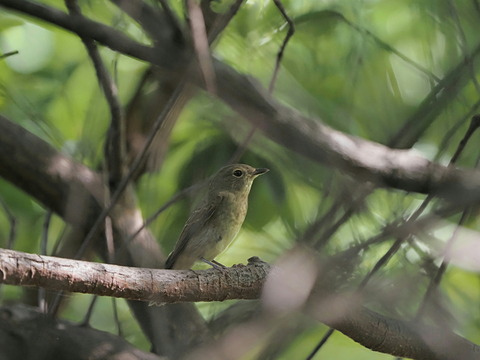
[342,66]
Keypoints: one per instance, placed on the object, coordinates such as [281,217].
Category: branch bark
[162,286]
[61,184]
[373,330]
[27,334]
[400,338]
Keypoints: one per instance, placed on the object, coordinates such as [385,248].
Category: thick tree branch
[92,29]
[162,286]
[366,160]
[371,329]
[27,334]
[397,337]
[55,180]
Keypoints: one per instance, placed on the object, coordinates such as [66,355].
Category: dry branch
[163,286]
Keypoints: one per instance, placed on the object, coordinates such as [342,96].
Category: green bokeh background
[339,66]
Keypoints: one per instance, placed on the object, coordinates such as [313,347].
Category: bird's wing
[195,223]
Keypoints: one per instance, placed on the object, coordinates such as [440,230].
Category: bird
[212,227]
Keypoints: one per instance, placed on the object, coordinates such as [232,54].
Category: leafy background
[363,67]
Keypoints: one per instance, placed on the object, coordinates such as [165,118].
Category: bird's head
[236,178]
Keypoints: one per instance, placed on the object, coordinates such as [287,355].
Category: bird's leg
[219,264]
[214,264]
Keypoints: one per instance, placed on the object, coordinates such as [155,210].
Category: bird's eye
[238,173]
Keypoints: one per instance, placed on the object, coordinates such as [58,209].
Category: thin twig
[436,279]
[290,32]
[388,47]
[88,315]
[474,125]
[241,148]
[117,318]
[201,45]
[12,222]
[222,21]
[463,44]
[322,342]
[59,239]
[12,233]
[327,222]
[42,294]
[165,206]
[171,16]
[7,54]
[109,240]
[458,124]
[46,227]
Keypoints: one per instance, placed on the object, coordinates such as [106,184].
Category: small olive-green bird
[211,228]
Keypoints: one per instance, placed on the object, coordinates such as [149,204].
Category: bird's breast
[227,223]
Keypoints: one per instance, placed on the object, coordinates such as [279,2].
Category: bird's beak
[260,171]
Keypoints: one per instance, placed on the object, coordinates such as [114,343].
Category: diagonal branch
[365,160]
[85,27]
[55,180]
[161,26]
